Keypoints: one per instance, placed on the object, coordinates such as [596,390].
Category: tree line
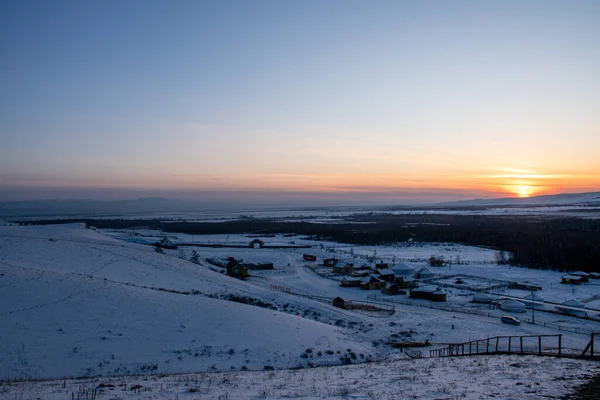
[564,244]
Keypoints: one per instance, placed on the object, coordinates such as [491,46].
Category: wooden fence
[365,307]
[547,345]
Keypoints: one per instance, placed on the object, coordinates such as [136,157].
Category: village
[436,280]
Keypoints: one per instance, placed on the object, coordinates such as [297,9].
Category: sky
[366,101]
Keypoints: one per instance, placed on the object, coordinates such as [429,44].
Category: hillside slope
[73,302]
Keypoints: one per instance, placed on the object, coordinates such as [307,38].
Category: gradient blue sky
[392,100]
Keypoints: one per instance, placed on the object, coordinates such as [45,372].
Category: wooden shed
[235,269]
[338,302]
[166,243]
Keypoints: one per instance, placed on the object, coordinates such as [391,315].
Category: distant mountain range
[92,207]
[589,198]
[149,205]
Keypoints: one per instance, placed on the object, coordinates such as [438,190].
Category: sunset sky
[377,101]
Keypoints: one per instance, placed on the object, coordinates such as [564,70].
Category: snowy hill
[74,302]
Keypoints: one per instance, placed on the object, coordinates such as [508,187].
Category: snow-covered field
[469,378]
[83,302]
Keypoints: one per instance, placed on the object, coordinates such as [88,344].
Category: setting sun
[523,190]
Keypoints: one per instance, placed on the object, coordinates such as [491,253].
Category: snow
[83,302]
[468,378]
[74,302]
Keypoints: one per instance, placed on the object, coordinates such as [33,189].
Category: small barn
[424,273]
[329,262]
[571,280]
[430,293]
[585,277]
[370,282]
[573,307]
[256,244]
[381,265]
[338,302]
[166,243]
[349,282]
[513,306]
[235,269]
[347,269]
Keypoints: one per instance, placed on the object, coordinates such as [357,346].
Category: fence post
[521,340]
[559,344]
[509,342]
[487,346]
[592,346]
[540,344]
[497,339]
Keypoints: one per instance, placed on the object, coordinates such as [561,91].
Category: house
[430,293]
[571,279]
[370,282]
[594,275]
[424,273]
[437,261]
[256,244]
[381,265]
[235,269]
[329,262]
[338,302]
[345,282]
[165,243]
[405,283]
[385,274]
[585,277]
[309,257]
[346,269]
[391,289]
